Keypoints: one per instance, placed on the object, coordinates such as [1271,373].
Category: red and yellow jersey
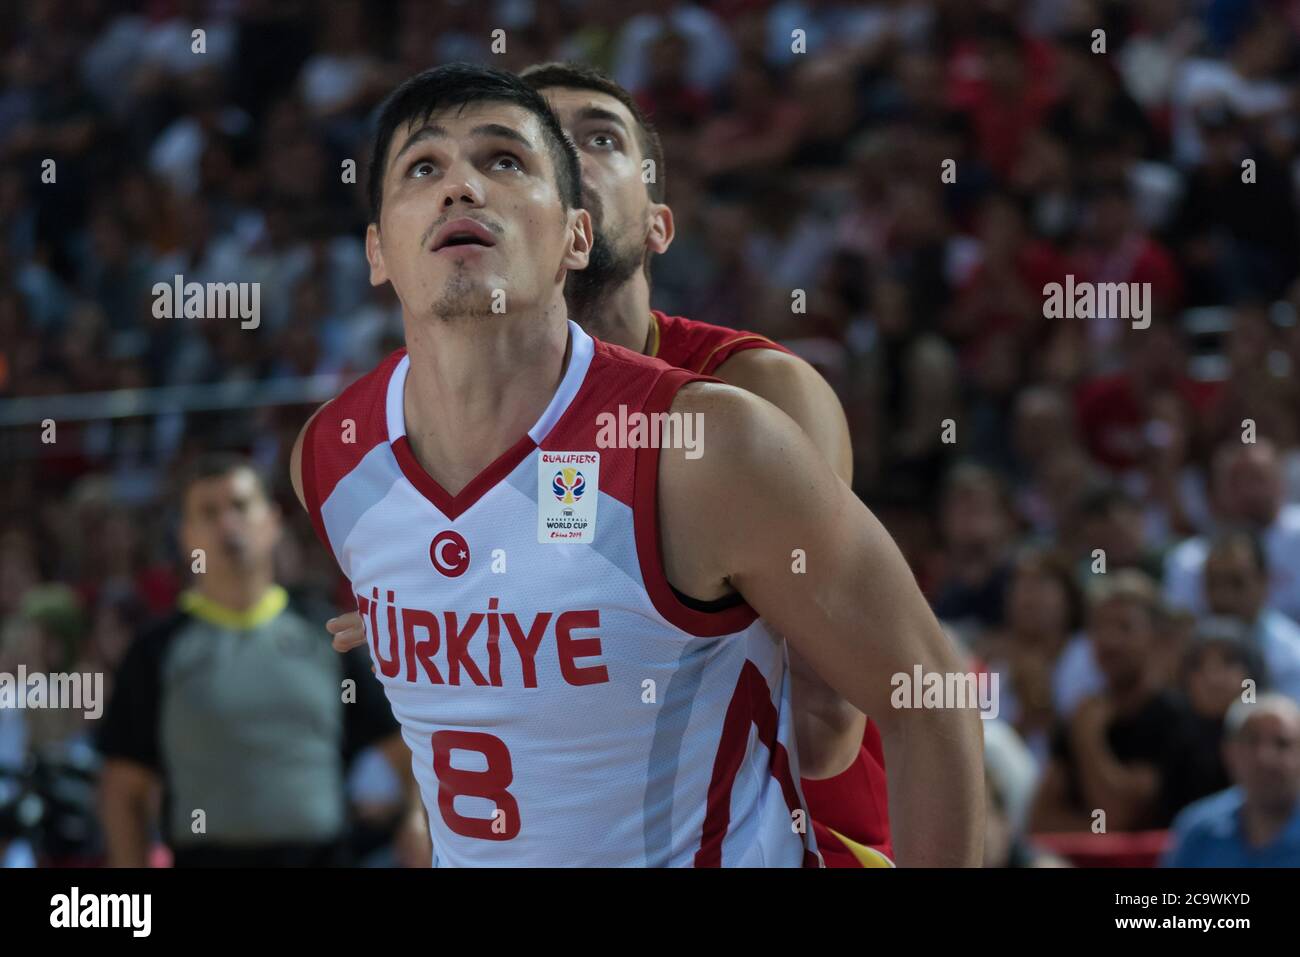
[698,346]
[850,811]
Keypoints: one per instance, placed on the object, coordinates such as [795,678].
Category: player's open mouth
[462,232]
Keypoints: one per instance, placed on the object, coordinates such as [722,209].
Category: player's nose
[461,185]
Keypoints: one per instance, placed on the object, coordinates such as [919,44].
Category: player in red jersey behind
[840,753]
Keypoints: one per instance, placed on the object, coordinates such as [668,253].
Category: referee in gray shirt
[232,719]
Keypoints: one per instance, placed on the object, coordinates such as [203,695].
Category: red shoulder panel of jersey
[617,377]
[619,384]
[700,347]
[854,804]
[344,430]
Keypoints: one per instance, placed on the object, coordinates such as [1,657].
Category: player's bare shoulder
[801,392]
[758,369]
[749,456]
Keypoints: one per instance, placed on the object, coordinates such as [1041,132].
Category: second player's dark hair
[458,84]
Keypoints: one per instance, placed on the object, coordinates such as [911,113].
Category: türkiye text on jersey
[422,646]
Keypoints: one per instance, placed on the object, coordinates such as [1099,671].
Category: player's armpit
[760,510]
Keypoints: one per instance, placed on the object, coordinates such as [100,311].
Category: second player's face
[612,186]
[472,222]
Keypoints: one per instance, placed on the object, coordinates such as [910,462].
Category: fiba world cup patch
[567,488]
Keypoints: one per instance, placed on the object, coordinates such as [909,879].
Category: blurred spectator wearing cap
[1126,750]
[1255,823]
[1247,491]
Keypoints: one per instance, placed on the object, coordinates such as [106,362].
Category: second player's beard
[586,291]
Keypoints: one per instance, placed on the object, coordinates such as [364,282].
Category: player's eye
[603,141]
[508,162]
[420,168]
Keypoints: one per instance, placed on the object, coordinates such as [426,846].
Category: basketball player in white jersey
[569,631]
[842,769]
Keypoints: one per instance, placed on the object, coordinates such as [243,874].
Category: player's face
[628,225]
[230,518]
[472,223]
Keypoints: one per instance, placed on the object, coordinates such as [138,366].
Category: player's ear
[578,248]
[375,256]
[661,232]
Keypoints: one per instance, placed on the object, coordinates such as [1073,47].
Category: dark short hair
[210,465]
[459,84]
[579,76]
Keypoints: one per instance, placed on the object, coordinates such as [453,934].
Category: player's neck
[477,385]
[621,316]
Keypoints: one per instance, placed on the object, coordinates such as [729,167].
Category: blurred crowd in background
[1162,463]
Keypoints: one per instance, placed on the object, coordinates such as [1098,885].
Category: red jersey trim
[453,506]
[681,342]
[645,512]
[728,349]
[750,705]
[853,803]
[310,484]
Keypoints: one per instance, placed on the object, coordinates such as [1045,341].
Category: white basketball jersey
[562,703]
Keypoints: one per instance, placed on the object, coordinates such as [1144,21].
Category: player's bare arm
[735,517]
